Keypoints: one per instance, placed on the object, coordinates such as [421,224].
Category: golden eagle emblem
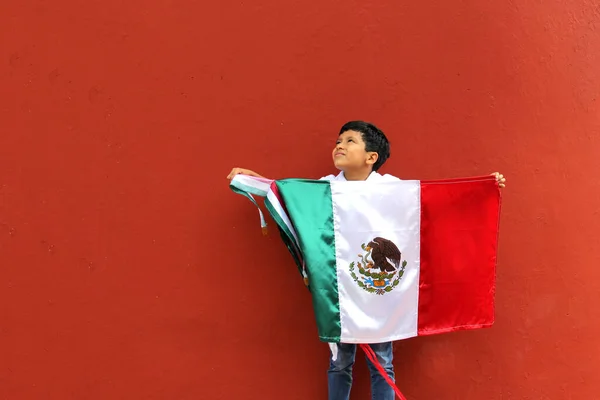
[380,266]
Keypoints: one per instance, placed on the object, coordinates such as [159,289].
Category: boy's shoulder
[328,178]
[375,177]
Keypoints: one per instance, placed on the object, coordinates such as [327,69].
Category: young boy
[361,149]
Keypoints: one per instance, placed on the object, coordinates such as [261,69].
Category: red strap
[373,358]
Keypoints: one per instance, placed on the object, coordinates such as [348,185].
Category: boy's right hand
[242,171]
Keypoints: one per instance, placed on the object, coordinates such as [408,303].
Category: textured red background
[128,270]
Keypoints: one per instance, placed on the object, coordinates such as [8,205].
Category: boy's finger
[233,173]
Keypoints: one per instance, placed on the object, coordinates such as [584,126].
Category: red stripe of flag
[459,230]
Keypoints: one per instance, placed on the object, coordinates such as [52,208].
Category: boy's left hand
[500,178]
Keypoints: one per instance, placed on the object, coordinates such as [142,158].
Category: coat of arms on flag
[379,270]
[388,260]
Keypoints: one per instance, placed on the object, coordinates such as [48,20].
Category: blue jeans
[340,372]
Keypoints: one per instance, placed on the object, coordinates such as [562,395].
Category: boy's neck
[357,175]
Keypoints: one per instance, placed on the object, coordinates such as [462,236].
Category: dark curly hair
[374,139]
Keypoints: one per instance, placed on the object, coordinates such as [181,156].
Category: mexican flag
[388,260]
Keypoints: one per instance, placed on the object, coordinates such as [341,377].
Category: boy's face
[350,152]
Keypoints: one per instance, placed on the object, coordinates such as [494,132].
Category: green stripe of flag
[315,230]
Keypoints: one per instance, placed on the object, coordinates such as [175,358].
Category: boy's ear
[372,157]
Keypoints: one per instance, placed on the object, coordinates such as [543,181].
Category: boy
[361,149]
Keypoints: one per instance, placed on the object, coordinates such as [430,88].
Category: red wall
[128,270]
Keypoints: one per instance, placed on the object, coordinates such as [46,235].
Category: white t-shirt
[373,177]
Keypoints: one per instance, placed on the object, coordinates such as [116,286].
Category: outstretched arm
[243,171]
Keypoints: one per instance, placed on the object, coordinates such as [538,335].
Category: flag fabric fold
[387,260]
